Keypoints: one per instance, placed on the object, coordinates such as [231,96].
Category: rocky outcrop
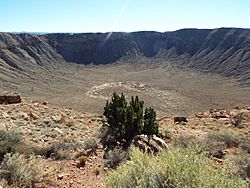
[240,118]
[96,48]
[150,144]
[225,113]
[180,119]
[224,51]
[26,53]
[10,99]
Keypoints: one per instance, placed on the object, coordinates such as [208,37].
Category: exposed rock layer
[10,99]
[225,50]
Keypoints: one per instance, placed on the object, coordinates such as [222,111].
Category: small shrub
[167,134]
[9,141]
[82,161]
[185,141]
[247,169]
[230,139]
[243,163]
[10,136]
[58,150]
[245,145]
[90,143]
[44,151]
[63,154]
[62,145]
[237,120]
[173,168]
[114,157]
[106,137]
[62,150]
[20,171]
[97,171]
[27,149]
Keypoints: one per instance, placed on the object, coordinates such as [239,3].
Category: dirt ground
[70,175]
[171,91]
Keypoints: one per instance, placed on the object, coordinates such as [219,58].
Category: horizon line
[68,32]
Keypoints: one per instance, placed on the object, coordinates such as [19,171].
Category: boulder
[219,113]
[58,130]
[150,144]
[180,119]
[219,154]
[10,99]
[238,118]
[202,115]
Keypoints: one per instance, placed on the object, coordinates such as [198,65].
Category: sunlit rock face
[224,50]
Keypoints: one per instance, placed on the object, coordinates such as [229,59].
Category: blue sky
[121,15]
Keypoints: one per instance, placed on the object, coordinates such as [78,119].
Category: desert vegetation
[172,168]
[188,162]
[27,158]
[18,170]
[21,165]
[158,135]
[125,121]
[53,146]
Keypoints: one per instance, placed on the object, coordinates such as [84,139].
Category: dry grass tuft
[20,171]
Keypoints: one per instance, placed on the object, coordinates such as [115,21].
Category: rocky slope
[225,50]
[23,51]
[42,124]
